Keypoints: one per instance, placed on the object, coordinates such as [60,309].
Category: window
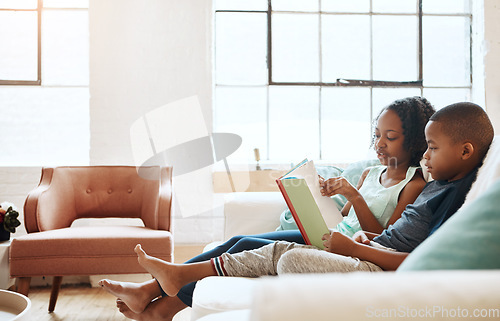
[20,38]
[44,79]
[300,78]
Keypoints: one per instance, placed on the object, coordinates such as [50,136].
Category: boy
[458,138]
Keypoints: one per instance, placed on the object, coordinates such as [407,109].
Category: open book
[312,212]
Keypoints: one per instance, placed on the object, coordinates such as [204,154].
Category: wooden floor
[86,303]
[80,303]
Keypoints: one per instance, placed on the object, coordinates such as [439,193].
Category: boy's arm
[387,260]
[361,235]
[340,244]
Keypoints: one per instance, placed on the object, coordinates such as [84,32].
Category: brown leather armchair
[53,248]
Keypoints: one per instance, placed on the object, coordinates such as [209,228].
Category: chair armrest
[156,211]
[57,214]
[368,296]
[249,213]
[31,202]
[165,199]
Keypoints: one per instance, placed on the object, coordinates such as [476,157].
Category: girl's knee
[246,243]
[235,239]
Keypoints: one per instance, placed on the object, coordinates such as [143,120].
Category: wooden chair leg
[56,285]
[23,285]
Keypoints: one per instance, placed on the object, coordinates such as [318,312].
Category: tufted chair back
[69,193]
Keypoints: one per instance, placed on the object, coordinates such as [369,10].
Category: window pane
[56,131]
[18,4]
[65,43]
[295,5]
[241,48]
[18,45]
[345,124]
[395,56]
[446,6]
[346,47]
[384,96]
[295,47]
[345,6]
[395,6]
[446,51]
[293,123]
[65,3]
[243,111]
[241,5]
[441,97]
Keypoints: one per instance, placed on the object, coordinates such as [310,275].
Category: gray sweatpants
[285,257]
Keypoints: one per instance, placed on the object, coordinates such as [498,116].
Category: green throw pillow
[468,240]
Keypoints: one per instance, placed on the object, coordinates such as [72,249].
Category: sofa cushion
[487,174]
[221,294]
[468,240]
[248,213]
[236,315]
[429,295]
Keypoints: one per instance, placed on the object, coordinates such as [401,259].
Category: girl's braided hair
[414,113]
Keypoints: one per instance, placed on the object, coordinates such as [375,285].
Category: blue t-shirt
[438,201]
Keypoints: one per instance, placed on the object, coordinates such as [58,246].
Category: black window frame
[341,82]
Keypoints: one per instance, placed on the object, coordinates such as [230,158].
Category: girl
[384,191]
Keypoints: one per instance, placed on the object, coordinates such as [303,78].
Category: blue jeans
[234,245]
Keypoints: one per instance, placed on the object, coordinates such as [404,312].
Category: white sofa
[464,294]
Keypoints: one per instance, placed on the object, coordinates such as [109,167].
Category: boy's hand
[338,243]
[361,237]
[338,185]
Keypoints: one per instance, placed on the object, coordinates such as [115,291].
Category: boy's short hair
[466,121]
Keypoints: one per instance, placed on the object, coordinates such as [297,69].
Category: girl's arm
[339,185]
[348,205]
[343,245]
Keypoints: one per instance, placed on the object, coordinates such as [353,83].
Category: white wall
[492,60]
[143,55]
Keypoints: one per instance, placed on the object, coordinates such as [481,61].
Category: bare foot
[164,272]
[126,311]
[162,309]
[131,294]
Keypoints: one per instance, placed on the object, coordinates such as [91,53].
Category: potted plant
[8,220]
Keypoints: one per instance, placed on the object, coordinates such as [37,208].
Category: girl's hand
[321,182]
[338,243]
[338,185]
